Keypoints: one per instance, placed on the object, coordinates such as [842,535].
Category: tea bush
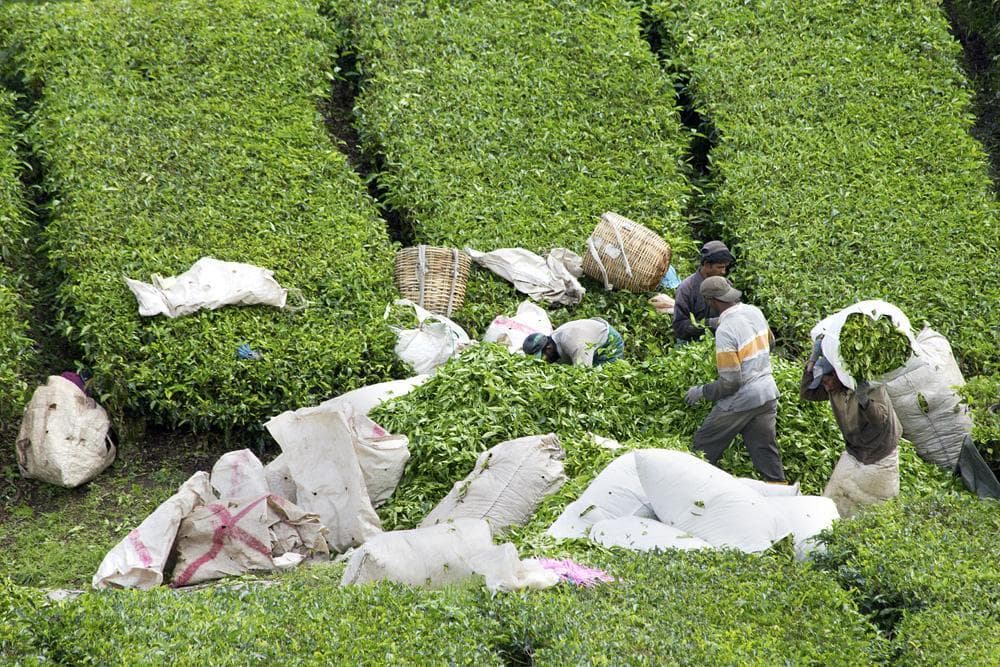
[844,168]
[169,131]
[16,352]
[504,124]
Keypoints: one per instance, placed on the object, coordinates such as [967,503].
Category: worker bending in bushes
[870,428]
[589,342]
[716,260]
[745,395]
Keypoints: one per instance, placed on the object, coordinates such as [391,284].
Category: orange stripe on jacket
[730,360]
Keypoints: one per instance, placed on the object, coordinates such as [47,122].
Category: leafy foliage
[844,168]
[983,396]
[872,347]
[162,143]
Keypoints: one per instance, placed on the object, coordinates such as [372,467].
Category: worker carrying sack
[64,436]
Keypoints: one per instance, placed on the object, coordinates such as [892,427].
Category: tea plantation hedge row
[169,131]
[16,352]
[927,569]
[504,124]
[845,169]
[677,608]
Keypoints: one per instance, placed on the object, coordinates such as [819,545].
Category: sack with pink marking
[511,331]
[138,560]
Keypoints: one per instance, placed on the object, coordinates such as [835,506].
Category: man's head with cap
[715,259]
[541,346]
[719,289]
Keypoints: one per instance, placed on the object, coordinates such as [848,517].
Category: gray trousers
[757,427]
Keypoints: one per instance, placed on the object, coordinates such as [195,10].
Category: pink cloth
[75,379]
[581,575]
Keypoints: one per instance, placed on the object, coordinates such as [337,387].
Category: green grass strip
[175,130]
[517,125]
[16,348]
[845,165]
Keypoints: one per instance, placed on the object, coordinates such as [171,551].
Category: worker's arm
[727,362]
[683,329]
[807,394]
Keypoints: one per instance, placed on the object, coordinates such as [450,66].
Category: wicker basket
[433,278]
[622,254]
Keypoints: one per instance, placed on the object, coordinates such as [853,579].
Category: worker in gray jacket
[716,260]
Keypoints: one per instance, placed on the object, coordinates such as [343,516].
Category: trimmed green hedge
[16,348]
[845,168]
[175,130]
[504,124]
[677,608]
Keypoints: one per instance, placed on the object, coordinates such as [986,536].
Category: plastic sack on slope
[319,449]
[435,340]
[443,554]
[64,435]
[765,489]
[138,560]
[932,414]
[365,399]
[807,515]
[511,331]
[209,284]
[641,534]
[854,485]
[507,483]
[831,326]
[615,493]
[695,496]
[543,279]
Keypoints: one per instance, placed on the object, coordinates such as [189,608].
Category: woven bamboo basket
[434,278]
[622,254]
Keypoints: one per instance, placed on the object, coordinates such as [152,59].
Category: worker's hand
[694,394]
[862,392]
[713,323]
[817,350]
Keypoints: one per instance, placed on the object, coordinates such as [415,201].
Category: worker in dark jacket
[715,261]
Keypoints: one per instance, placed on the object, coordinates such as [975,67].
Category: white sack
[235,536]
[807,515]
[64,435]
[854,485]
[695,496]
[138,560]
[548,279]
[443,554]
[512,331]
[209,284]
[571,260]
[830,328]
[239,474]
[640,534]
[507,483]
[615,493]
[319,450]
[937,433]
[435,340]
[381,455]
[765,489]
[365,399]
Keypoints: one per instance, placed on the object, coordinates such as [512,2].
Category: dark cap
[719,288]
[535,343]
[716,252]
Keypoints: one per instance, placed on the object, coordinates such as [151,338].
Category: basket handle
[600,265]
[621,244]
[454,280]
[421,272]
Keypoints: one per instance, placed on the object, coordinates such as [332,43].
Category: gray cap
[820,368]
[719,288]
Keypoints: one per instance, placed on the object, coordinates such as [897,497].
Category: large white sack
[364,400]
[138,560]
[240,535]
[507,483]
[695,496]
[435,340]
[854,485]
[512,331]
[64,435]
[239,474]
[210,284]
[830,328]
[543,279]
[382,456]
[932,414]
[807,515]
[443,554]
[319,449]
[641,534]
[615,493]
[767,489]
